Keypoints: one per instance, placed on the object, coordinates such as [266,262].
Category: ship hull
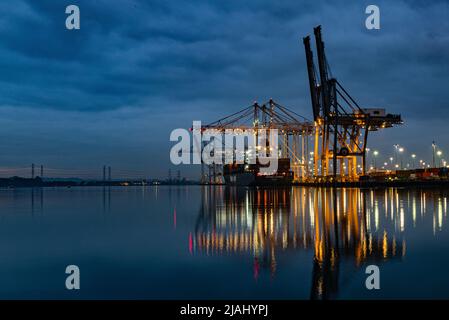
[252,174]
[250,179]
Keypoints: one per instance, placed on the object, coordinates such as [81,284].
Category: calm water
[226,243]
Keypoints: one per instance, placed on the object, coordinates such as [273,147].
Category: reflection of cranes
[235,220]
[334,223]
[341,233]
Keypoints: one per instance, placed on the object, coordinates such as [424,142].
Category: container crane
[341,125]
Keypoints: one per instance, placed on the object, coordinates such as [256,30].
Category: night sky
[111,92]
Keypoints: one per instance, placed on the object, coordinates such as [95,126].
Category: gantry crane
[339,129]
[293,132]
[341,125]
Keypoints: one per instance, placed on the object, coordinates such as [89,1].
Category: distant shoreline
[19,182]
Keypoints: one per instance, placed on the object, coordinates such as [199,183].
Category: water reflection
[106,195]
[251,243]
[342,226]
[37,200]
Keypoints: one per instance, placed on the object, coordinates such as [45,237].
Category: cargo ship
[251,174]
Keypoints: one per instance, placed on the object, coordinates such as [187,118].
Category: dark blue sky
[111,92]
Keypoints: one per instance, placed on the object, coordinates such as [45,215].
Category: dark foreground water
[226,243]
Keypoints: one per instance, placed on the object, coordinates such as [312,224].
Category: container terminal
[328,150]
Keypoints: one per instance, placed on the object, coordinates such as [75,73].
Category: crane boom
[314,94]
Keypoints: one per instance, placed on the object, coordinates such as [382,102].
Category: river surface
[194,242]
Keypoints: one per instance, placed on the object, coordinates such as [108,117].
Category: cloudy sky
[111,92]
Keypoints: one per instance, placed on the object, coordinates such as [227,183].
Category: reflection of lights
[401,219]
[260,223]
[376,214]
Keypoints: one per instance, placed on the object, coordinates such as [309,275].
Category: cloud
[165,63]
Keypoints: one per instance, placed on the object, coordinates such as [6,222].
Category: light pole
[396,147]
[391,160]
[375,153]
[401,150]
[433,153]
[367,155]
[413,157]
[439,153]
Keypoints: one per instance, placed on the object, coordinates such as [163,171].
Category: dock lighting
[385,164]
[439,153]
[401,150]
[375,153]
[396,166]
[413,157]
[396,156]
